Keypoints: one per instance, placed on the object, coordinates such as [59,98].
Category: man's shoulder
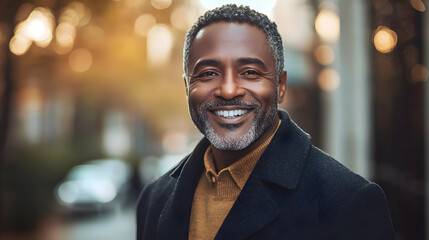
[329,170]
[347,201]
[334,183]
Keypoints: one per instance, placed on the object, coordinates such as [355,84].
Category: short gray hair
[241,14]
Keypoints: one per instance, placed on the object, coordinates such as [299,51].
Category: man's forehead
[230,40]
[229,31]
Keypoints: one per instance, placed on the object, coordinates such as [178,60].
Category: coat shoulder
[351,206]
[333,182]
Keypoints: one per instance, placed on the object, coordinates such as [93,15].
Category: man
[255,175]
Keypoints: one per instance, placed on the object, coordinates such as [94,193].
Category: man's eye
[207,74]
[251,73]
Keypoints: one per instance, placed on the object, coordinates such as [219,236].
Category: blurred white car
[95,185]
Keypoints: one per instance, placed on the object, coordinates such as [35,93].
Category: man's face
[231,87]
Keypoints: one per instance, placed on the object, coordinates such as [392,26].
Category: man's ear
[186,84]
[282,85]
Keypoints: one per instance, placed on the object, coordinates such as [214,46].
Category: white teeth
[231,113]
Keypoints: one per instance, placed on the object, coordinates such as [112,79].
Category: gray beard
[234,141]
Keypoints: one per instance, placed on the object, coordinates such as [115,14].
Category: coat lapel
[274,178]
[254,208]
[174,219]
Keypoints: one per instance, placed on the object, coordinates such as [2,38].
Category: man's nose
[230,87]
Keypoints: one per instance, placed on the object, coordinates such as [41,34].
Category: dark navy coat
[295,191]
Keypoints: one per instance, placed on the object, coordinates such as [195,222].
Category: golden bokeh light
[327,25]
[181,18]
[159,44]
[324,55]
[76,14]
[19,44]
[69,16]
[385,39]
[418,5]
[37,27]
[65,34]
[328,79]
[61,50]
[419,73]
[80,60]
[143,24]
[161,4]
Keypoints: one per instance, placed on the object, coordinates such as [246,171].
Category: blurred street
[118,224]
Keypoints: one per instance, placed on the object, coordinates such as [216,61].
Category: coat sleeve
[365,215]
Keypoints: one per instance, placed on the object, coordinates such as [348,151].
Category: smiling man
[256,174]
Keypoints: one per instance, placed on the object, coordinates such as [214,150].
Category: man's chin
[231,142]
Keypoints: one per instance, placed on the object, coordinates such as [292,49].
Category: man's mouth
[231,113]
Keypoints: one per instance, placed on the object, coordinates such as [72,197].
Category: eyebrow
[216,62]
[252,61]
[207,62]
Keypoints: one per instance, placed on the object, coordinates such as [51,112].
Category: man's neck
[225,158]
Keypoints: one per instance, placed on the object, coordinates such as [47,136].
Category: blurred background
[93,104]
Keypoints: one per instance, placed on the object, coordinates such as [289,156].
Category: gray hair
[241,14]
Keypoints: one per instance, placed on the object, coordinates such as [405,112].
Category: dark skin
[233,60]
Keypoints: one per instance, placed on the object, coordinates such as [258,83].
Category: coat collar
[286,155]
[282,164]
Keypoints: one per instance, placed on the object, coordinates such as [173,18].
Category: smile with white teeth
[231,113]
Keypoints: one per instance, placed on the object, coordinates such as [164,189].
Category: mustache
[232,102]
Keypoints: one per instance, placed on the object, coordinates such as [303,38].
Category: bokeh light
[419,73]
[65,34]
[385,39]
[324,55]
[328,79]
[143,24]
[19,44]
[181,18]
[36,28]
[159,44]
[418,5]
[161,4]
[80,60]
[76,14]
[327,25]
